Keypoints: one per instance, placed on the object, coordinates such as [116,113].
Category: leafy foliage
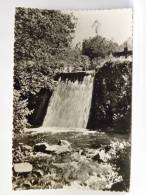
[98,46]
[112,99]
[72,60]
[20,113]
[40,35]
[31,77]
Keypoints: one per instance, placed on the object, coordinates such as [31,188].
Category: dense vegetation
[98,47]
[111,106]
[40,36]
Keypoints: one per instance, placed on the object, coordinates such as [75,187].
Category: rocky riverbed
[74,159]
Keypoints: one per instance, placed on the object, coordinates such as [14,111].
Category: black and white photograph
[72,99]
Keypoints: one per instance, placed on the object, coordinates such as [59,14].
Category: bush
[112,96]
[20,112]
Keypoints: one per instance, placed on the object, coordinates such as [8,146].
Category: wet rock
[41,155]
[39,173]
[75,156]
[52,149]
[65,146]
[40,147]
[26,147]
[23,167]
[55,149]
[46,148]
[63,149]
[64,142]
[107,148]
[27,185]
[60,165]
[97,158]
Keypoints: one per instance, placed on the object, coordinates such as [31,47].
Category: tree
[41,32]
[112,96]
[40,35]
[98,47]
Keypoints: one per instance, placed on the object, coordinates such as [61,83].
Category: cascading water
[70,104]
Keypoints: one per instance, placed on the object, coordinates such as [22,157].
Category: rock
[27,185]
[52,149]
[65,146]
[23,167]
[26,147]
[63,149]
[40,147]
[56,149]
[46,148]
[64,142]
[97,158]
[107,148]
[75,156]
[60,165]
[39,173]
[41,155]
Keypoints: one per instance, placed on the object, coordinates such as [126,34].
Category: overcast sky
[113,24]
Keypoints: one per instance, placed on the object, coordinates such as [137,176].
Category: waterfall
[70,104]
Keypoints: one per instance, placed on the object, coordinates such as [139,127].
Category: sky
[112,24]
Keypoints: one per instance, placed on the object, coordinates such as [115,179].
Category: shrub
[20,112]
[111,105]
